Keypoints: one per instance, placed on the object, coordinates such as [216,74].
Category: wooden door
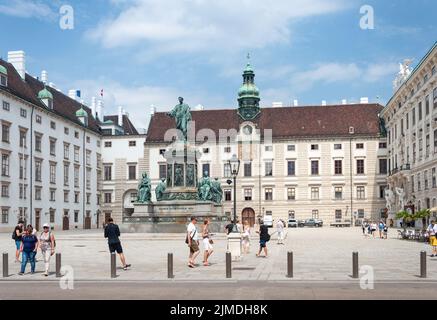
[66,223]
[249,215]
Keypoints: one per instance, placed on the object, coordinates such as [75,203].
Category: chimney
[18,60]
[120,116]
[44,76]
[93,106]
[152,110]
[323,102]
[344,101]
[295,103]
[199,107]
[364,100]
[277,105]
[72,94]
[100,110]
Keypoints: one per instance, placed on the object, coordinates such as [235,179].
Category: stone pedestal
[234,245]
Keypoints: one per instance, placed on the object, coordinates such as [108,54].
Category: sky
[150,52]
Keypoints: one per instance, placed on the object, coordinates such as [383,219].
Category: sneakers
[21,273]
[45,274]
[126,267]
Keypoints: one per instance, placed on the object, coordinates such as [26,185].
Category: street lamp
[234,165]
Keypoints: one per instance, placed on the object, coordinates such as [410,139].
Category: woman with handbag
[207,242]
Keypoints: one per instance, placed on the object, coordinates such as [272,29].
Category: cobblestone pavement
[323,254]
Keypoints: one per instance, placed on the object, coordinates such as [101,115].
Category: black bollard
[228,265]
[289,264]
[423,264]
[58,265]
[170,274]
[5,265]
[355,274]
[113,265]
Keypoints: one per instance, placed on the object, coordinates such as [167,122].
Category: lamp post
[234,165]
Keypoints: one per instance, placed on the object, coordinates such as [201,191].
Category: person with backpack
[47,244]
[264,237]
[192,240]
[29,248]
[17,236]
[112,233]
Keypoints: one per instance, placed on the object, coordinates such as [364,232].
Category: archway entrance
[65,223]
[249,215]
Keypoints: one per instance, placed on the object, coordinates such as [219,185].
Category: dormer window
[46,97]
[3,76]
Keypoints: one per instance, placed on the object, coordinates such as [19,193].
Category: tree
[423,214]
[405,216]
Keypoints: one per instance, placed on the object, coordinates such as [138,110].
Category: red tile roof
[63,105]
[285,122]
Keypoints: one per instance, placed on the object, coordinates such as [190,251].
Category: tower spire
[248,95]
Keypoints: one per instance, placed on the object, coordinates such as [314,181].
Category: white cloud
[199,25]
[27,9]
[376,72]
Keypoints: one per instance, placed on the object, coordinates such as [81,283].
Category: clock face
[247,130]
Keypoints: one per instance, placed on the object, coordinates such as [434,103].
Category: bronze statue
[160,188]
[144,189]
[181,113]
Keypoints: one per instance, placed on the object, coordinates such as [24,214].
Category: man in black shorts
[112,232]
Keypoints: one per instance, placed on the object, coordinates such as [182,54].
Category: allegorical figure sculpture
[181,113]
[204,188]
[401,194]
[160,188]
[388,199]
[144,189]
[217,192]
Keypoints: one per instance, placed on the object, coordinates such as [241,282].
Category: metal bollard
[228,265]
[423,264]
[170,274]
[5,265]
[58,265]
[355,274]
[290,264]
[113,265]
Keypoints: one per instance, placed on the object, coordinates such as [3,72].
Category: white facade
[411,121]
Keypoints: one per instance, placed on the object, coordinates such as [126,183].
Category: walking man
[431,230]
[280,230]
[193,242]
[112,232]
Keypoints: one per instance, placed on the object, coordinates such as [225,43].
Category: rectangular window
[76,153]
[314,147]
[66,151]
[52,194]
[337,146]
[427,105]
[268,192]
[5,132]
[88,158]
[420,111]
[37,193]
[38,168]
[435,141]
[108,197]
[52,173]
[23,138]
[66,131]
[52,216]
[52,147]
[338,193]
[206,169]
[5,165]
[6,106]
[132,172]
[413,116]
[382,192]
[383,145]
[315,214]
[248,194]
[76,197]
[162,171]
[23,113]
[5,216]
[66,174]
[248,169]
[108,144]
[338,167]
[66,196]
[268,148]
[205,150]
[427,145]
[314,193]
[132,143]
[360,213]
[76,216]
[434,181]
[38,119]
[291,168]
[227,170]
[5,190]
[435,98]
[382,166]
[360,166]
[360,146]
[269,169]
[338,215]
[38,138]
[108,173]
[227,149]
[228,195]
[361,192]
[88,178]
[291,147]
[291,194]
[76,176]
[53,125]
[314,167]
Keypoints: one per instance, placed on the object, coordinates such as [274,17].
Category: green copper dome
[248,89]
[248,95]
[81,113]
[3,70]
[45,94]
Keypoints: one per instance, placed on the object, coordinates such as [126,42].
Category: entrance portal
[249,215]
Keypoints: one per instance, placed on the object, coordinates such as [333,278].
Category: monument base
[173,217]
[234,245]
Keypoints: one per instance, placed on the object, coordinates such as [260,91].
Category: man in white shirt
[280,230]
[193,241]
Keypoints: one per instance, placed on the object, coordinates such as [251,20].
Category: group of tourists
[370,227]
[27,244]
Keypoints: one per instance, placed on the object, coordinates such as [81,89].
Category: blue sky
[144,52]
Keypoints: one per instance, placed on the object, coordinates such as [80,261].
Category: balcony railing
[405,167]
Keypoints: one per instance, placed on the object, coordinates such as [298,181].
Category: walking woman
[29,248]
[47,244]
[264,237]
[207,243]
[246,237]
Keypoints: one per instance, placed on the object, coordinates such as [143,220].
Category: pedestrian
[17,236]
[239,226]
[192,241]
[264,237]
[381,228]
[29,248]
[47,244]
[385,231]
[363,226]
[432,230]
[229,227]
[373,228]
[246,237]
[280,231]
[112,232]
[207,242]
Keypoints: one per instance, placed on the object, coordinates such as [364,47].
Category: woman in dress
[207,242]
[246,237]
[47,243]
